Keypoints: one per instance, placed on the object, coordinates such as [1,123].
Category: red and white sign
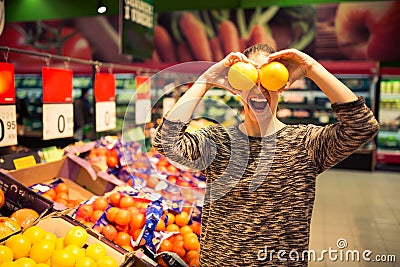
[8,114]
[7,86]
[104,94]
[58,111]
[143,100]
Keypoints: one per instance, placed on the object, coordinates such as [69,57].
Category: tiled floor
[361,208]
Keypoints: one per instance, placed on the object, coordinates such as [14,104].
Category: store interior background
[357,200]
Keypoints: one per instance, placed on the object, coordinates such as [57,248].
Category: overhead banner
[137,23]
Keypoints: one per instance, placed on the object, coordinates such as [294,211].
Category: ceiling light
[101,8]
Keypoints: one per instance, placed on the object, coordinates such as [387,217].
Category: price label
[8,125]
[58,121]
[105,116]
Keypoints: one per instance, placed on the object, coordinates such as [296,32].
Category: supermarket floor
[356,211]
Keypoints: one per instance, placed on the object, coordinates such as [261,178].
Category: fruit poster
[358,31]
[365,30]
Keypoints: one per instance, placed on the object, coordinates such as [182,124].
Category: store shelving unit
[388,140]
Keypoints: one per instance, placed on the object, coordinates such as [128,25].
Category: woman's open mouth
[258,103]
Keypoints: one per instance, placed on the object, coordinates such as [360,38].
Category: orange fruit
[25,216]
[178,237]
[123,217]
[51,192]
[115,198]
[194,262]
[100,203]
[162,262]
[61,187]
[84,211]
[172,228]
[160,225]
[180,251]
[8,226]
[171,218]
[192,254]
[45,195]
[122,239]
[61,195]
[165,245]
[112,162]
[242,76]
[96,215]
[2,198]
[182,219]
[111,214]
[136,234]
[126,202]
[274,76]
[196,227]
[109,232]
[138,220]
[191,243]
[185,230]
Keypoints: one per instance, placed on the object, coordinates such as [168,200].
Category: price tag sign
[8,125]
[105,116]
[58,121]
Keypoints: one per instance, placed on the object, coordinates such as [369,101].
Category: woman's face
[259,103]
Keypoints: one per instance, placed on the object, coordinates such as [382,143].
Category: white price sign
[58,121]
[105,116]
[8,125]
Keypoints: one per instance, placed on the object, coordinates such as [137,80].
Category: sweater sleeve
[194,150]
[333,143]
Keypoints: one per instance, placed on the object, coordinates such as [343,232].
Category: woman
[261,174]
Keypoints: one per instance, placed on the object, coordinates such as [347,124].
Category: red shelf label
[104,87]
[57,85]
[7,87]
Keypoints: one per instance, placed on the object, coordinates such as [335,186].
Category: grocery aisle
[356,211]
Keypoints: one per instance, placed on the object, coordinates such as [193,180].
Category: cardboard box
[60,225]
[17,196]
[82,178]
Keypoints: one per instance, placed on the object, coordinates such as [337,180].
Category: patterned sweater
[260,190]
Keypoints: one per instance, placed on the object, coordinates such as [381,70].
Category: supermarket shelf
[388,156]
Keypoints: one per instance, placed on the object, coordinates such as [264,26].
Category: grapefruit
[274,76]
[242,76]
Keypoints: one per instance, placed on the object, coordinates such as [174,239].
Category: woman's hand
[217,74]
[298,64]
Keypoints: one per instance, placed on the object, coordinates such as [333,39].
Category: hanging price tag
[8,125]
[7,86]
[143,100]
[105,116]
[58,121]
